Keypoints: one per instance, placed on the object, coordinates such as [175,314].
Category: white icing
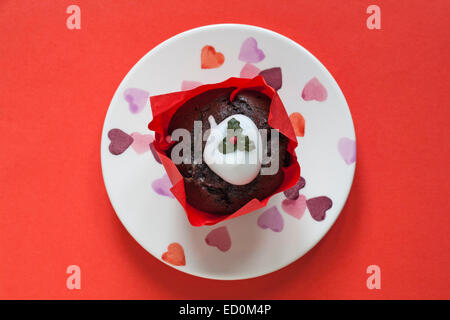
[238,167]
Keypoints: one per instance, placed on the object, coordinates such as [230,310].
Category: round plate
[259,242]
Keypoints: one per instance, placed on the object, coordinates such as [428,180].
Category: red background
[55,88]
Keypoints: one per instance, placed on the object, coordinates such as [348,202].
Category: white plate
[326,154]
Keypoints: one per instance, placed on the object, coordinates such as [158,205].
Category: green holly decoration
[234,133]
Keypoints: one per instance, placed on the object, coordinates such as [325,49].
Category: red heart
[174,255]
[210,58]
[298,122]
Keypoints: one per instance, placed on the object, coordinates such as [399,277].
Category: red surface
[55,88]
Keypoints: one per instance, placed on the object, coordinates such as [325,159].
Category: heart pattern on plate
[189,85]
[347,150]
[141,142]
[162,186]
[210,58]
[272,219]
[249,71]
[250,52]
[293,192]
[174,255]
[120,141]
[136,98]
[155,154]
[314,90]
[219,238]
[298,123]
[273,77]
[318,206]
[295,208]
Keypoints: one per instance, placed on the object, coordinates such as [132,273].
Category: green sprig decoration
[234,139]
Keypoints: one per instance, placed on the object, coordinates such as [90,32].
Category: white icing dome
[238,167]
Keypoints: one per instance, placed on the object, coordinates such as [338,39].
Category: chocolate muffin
[205,190]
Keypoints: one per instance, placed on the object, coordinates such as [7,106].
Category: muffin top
[205,189]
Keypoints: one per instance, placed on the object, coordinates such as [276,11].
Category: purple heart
[250,52]
[272,219]
[347,149]
[219,238]
[318,206]
[162,186]
[120,141]
[136,98]
[292,193]
[155,154]
[273,77]
[314,90]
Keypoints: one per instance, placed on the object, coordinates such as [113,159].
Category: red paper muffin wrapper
[163,108]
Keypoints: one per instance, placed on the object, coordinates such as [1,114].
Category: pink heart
[219,238]
[141,142]
[314,90]
[318,206]
[272,219]
[249,71]
[120,141]
[273,77]
[162,186]
[295,208]
[189,85]
[250,52]
[136,98]
[347,149]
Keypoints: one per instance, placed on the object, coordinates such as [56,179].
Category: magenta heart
[318,206]
[273,77]
[272,219]
[141,142]
[295,208]
[249,71]
[136,98]
[162,186]
[189,85]
[314,90]
[120,141]
[155,154]
[219,238]
[347,149]
[292,193]
[250,52]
